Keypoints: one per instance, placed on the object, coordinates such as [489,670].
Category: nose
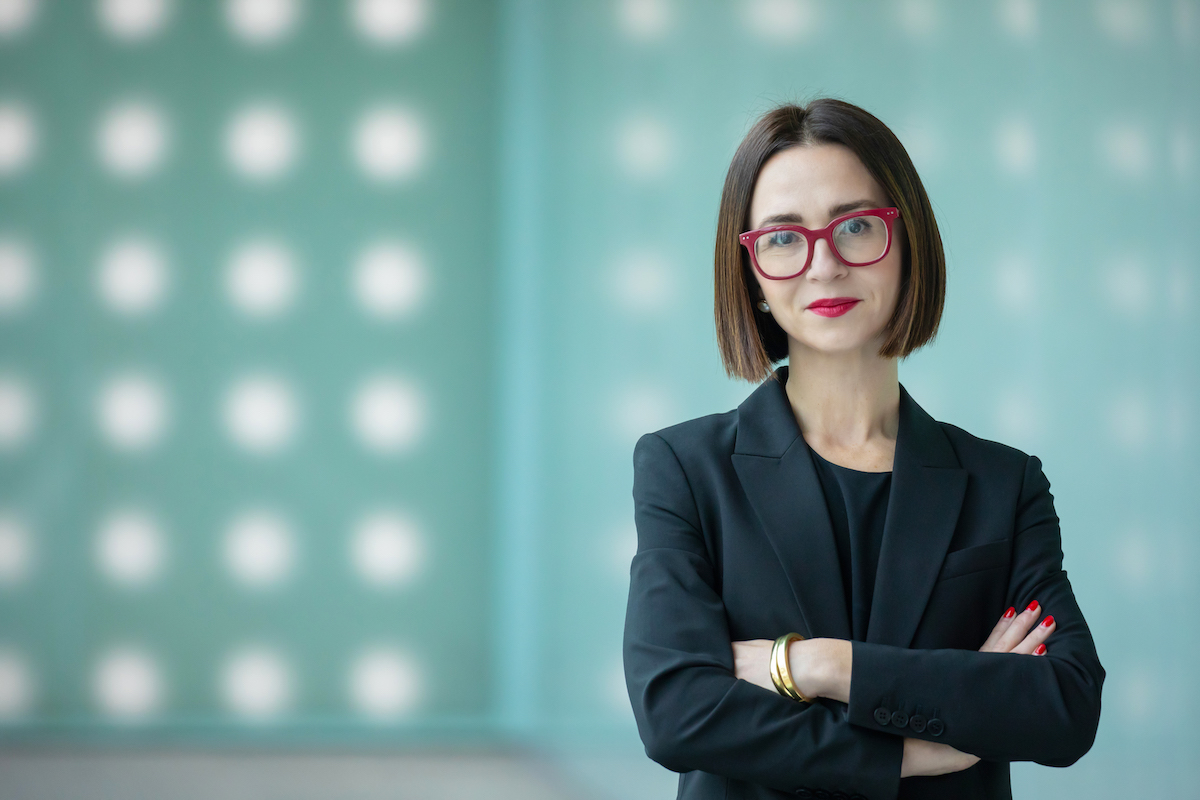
[825,264]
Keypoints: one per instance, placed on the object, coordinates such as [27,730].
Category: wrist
[806,659]
[821,667]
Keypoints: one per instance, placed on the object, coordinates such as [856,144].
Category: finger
[1035,637]
[998,631]
[1019,627]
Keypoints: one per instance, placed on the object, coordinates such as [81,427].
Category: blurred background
[327,329]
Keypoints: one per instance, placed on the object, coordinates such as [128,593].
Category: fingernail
[1048,621]
[1032,605]
[1009,614]
[1041,648]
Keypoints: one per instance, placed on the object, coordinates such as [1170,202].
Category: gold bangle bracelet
[781,673]
[775,678]
[784,667]
[778,654]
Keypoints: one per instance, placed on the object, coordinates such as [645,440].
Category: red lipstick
[833,306]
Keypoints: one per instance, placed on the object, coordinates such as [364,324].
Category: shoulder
[971,448]
[994,461]
[701,439]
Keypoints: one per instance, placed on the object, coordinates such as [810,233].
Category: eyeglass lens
[858,240]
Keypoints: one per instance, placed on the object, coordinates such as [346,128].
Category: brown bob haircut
[749,339]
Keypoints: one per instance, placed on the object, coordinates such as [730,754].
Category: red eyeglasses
[859,238]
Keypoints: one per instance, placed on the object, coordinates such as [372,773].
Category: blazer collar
[775,468]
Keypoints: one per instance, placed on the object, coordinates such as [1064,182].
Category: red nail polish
[1010,613]
[1047,622]
[1032,605]
[1041,648]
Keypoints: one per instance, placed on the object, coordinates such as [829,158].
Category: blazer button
[883,716]
[804,791]
[916,722]
[899,719]
[935,726]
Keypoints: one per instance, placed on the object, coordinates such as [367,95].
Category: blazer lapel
[775,468]
[776,471]
[928,486]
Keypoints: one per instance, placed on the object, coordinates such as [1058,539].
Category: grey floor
[579,773]
[184,775]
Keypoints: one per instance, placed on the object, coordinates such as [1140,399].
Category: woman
[919,565]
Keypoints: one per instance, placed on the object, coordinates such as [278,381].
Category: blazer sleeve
[1000,706]
[691,712]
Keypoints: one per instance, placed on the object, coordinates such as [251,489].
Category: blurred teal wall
[549,173]
[267,240]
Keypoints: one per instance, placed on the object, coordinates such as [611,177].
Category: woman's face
[809,186]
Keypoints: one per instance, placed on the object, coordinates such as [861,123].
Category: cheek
[889,280]
[885,290]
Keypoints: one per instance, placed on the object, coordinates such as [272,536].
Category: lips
[832,301]
[833,306]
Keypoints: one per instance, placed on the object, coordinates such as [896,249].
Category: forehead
[809,180]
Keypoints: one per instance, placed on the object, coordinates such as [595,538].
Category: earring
[762,306]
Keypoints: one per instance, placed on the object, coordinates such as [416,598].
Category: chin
[835,346]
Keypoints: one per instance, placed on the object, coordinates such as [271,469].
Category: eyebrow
[835,211]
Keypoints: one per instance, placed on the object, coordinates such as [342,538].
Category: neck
[843,400]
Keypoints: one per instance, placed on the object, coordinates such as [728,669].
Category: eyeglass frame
[750,238]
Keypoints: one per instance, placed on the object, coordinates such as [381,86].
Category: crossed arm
[694,710]
[823,668]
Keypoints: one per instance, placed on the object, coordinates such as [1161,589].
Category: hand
[1012,634]
[933,758]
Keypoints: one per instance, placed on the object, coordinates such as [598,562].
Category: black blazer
[735,542]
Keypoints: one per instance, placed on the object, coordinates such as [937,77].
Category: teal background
[566,210]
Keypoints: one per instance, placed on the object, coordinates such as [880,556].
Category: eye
[783,239]
[856,226]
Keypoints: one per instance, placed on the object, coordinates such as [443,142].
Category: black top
[857,504]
